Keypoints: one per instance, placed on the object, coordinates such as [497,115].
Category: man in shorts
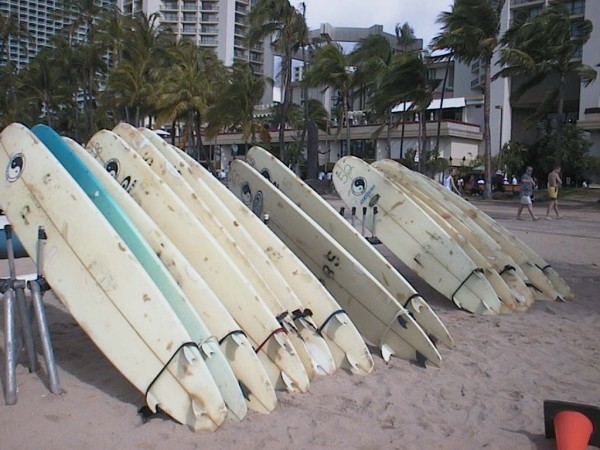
[554,182]
[527,185]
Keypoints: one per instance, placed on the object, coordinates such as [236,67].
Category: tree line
[131,68]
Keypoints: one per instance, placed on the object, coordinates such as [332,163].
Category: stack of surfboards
[456,248]
[187,292]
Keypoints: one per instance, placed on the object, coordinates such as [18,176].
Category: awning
[456,102]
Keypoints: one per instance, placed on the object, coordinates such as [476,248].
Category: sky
[421,15]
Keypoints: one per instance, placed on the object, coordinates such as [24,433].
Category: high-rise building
[41,20]
[219,25]
[582,103]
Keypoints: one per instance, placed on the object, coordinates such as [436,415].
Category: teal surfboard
[209,349]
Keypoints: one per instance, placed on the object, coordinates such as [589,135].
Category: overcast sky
[420,14]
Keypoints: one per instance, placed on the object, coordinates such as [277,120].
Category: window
[575,7]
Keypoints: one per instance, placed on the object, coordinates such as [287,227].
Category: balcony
[209,17]
[520,3]
[207,40]
[591,119]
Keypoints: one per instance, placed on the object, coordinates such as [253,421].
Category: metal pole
[37,289]
[364,219]
[10,382]
[40,315]
[19,294]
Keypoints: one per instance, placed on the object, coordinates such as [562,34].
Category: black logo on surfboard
[15,167]
[257,203]
[359,186]
[246,194]
[113,167]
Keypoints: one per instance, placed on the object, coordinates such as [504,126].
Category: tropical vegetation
[471,32]
[105,68]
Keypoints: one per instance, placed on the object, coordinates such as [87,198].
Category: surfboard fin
[420,360]
[288,382]
[386,352]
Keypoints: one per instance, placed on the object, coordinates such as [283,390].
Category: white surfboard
[374,312]
[503,264]
[415,238]
[242,250]
[199,333]
[512,290]
[346,344]
[328,218]
[534,267]
[202,251]
[256,386]
[103,285]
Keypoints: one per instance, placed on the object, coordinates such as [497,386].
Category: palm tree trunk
[402,132]
[560,120]
[345,100]
[305,100]
[487,193]
[286,72]
[441,110]
[422,140]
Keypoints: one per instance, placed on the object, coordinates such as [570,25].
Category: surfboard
[101,283]
[207,344]
[480,239]
[344,340]
[512,290]
[243,251]
[375,313]
[338,228]
[415,238]
[534,267]
[253,379]
[237,294]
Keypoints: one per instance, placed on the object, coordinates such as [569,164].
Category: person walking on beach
[554,182]
[449,181]
[527,185]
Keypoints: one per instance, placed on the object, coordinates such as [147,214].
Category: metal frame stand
[14,293]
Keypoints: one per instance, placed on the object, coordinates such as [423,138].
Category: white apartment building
[219,25]
[43,20]
[582,104]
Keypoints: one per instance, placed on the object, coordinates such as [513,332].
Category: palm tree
[235,102]
[66,60]
[373,56]
[88,15]
[286,27]
[128,89]
[542,48]
[42,87]
[471,32]
[131,84]
[9,111]
[406,80]
[331,68]
[405,36]
[187,90]
[11,27]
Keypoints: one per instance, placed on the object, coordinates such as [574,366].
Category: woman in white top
[449,181]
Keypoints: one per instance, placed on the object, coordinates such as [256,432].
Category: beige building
[218,25]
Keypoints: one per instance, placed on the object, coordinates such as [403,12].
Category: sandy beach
[488,394]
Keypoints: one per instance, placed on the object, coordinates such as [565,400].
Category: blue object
[18,248]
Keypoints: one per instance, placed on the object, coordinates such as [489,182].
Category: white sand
[488,393]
